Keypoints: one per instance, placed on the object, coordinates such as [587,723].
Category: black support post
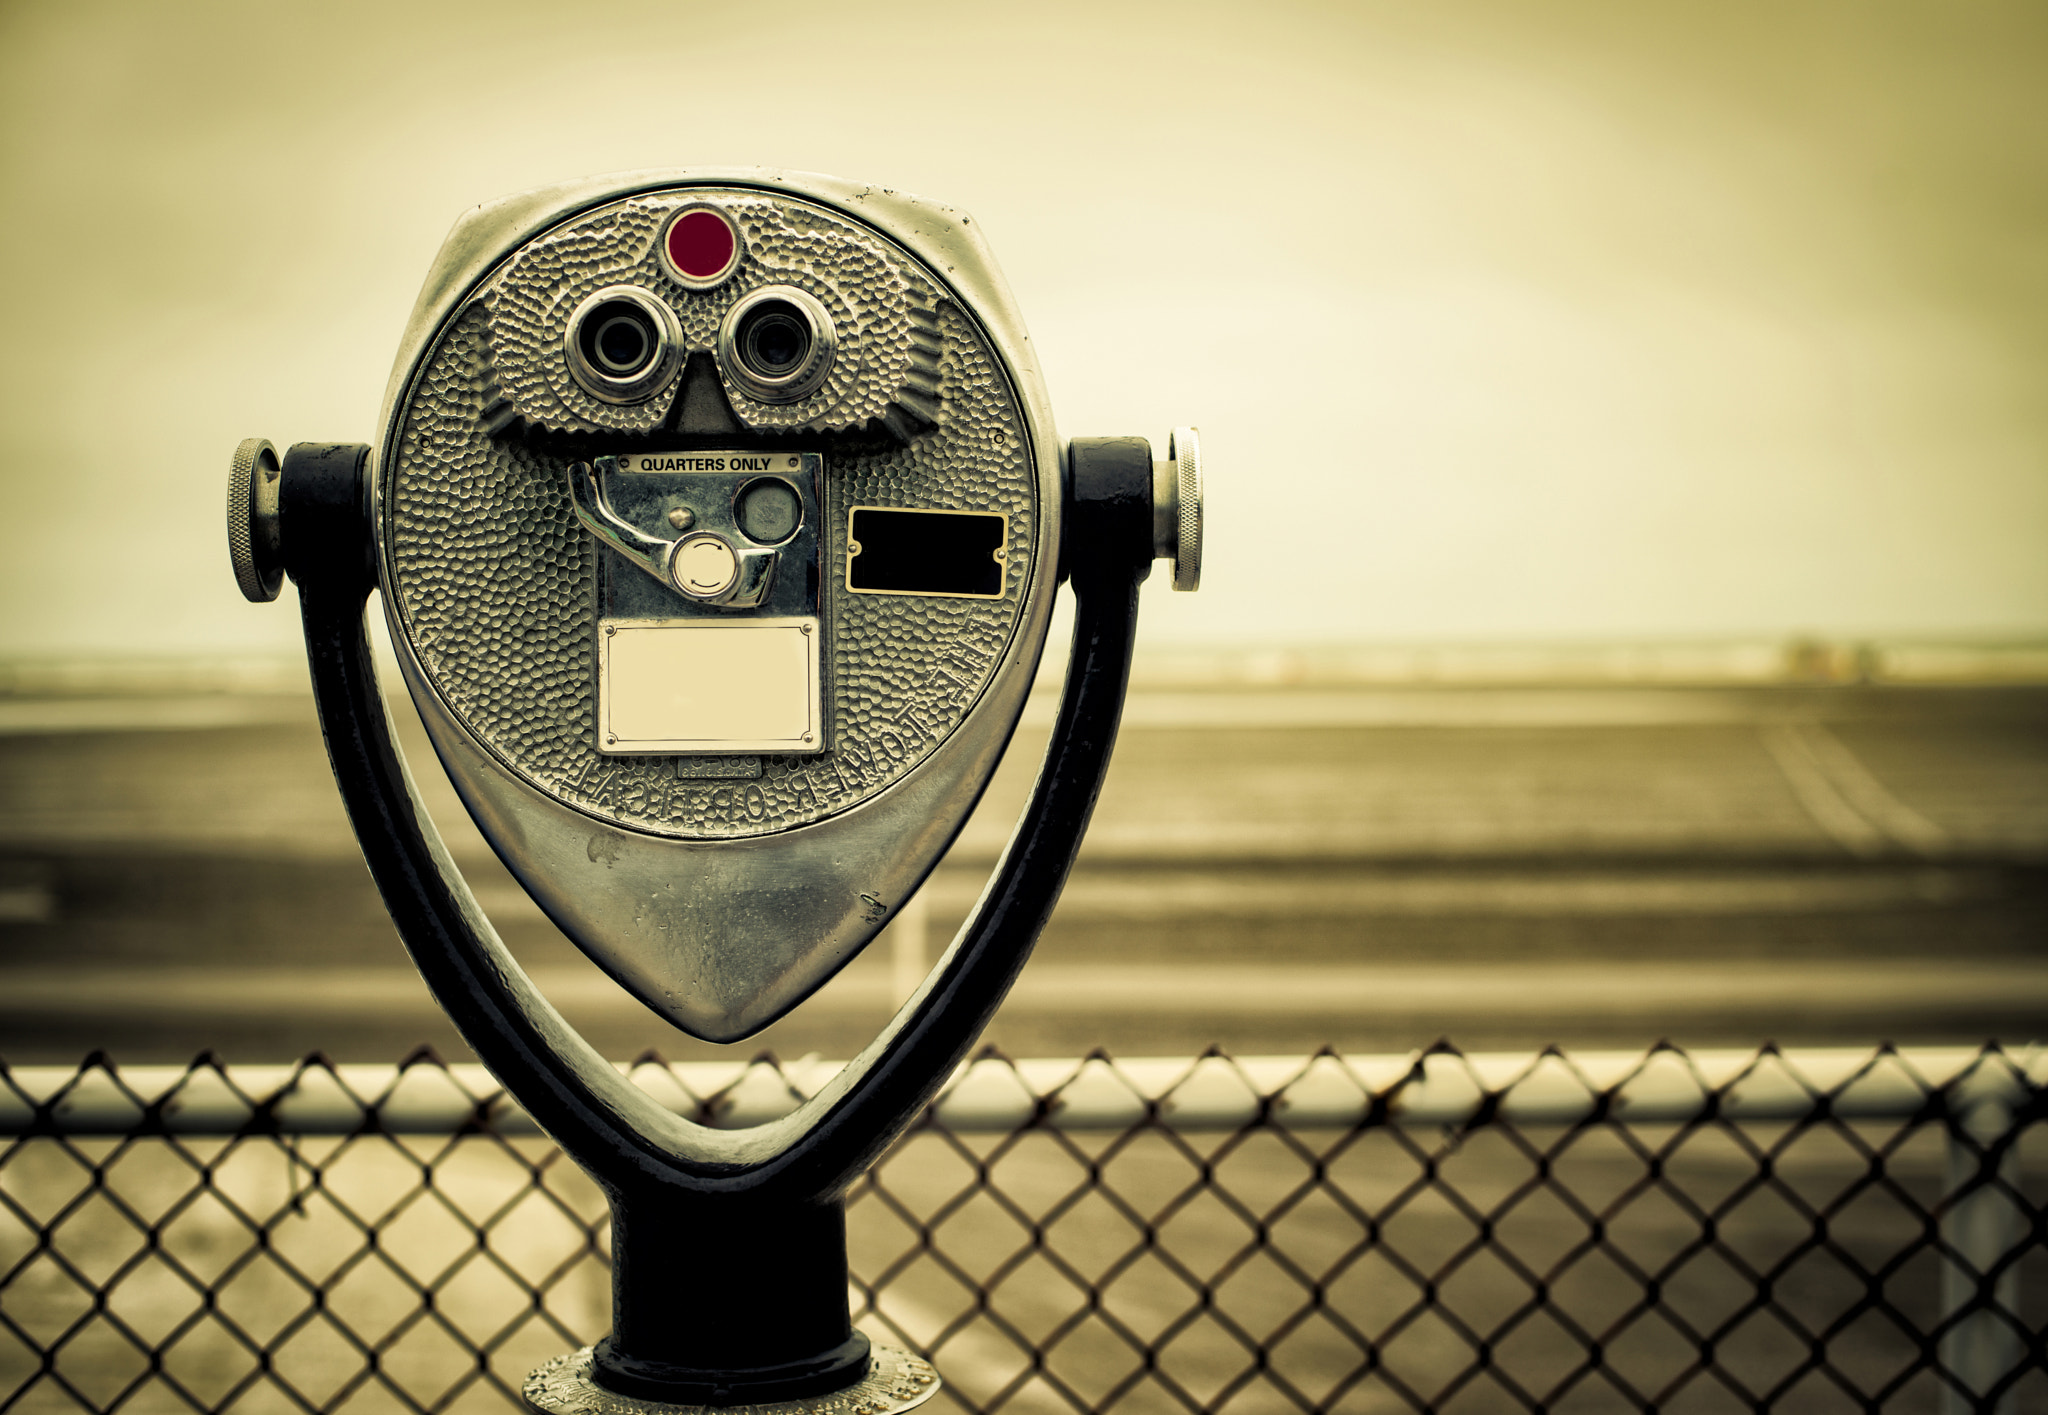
[712,1298]
[729,1247]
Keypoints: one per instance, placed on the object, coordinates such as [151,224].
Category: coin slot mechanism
[893,550]
[768,510]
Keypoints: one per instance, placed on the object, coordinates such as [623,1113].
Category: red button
[701,244]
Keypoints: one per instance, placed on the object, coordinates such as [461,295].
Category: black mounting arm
[729,1279]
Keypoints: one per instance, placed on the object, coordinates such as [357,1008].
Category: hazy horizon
[1571,322]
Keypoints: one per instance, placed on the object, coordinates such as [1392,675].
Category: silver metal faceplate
[720,904]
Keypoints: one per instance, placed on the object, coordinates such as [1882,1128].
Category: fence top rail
[994,1093]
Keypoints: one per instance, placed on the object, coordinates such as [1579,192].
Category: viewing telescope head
[718,517]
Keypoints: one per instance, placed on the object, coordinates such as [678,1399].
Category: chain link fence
[1805,1231]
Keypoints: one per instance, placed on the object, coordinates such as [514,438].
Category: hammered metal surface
[896,1381]
[874,297]
[493,579]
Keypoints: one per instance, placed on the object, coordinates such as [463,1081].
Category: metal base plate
[896,1381]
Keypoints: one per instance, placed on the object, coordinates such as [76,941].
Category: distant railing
[1804,1231]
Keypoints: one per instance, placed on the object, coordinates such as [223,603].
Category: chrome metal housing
[750,926]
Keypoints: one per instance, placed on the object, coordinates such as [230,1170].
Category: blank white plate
[708,686]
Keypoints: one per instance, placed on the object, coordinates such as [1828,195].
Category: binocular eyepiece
[623,345]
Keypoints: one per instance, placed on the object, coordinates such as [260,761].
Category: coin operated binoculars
[717,517]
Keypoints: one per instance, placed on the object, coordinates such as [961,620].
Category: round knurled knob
[1184,450]
[254,546]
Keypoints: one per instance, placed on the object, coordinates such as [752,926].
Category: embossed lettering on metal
[783,462]
[708,686]
[916,551]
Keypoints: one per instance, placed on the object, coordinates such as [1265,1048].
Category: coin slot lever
[701,567]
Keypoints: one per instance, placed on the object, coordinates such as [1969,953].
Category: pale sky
[1501,319]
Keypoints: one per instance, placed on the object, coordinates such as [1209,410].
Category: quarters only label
[707,462]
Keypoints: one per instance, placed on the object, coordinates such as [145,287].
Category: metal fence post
[1981,1339]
